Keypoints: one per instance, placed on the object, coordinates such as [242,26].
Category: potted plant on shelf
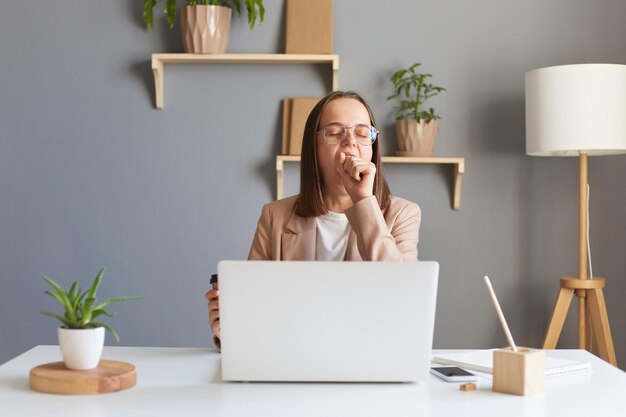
[205,24]
[81,338]
[416,128]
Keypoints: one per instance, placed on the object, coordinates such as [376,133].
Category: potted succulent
[205,24]
[416,128]
[81,338]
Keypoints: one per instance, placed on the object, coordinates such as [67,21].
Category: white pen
[505,327]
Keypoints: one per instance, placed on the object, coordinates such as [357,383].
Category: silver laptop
[327,321]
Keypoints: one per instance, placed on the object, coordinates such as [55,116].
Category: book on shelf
[482,361]
[295,112]
[309,27]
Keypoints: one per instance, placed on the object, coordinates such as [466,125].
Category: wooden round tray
[109,376]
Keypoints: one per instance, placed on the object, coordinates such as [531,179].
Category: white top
[187,381]
[333,230]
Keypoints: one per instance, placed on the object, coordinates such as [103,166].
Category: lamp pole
[589,293]
[582,252]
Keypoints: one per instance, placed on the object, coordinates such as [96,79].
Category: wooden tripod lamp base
[591,305]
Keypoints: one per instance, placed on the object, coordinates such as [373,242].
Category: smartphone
[453,374]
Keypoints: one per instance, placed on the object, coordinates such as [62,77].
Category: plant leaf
[106,326]
[170,12]
[251,12]
[116,300]
[72,292]
[78,300]
[148,14]
[61,297]
[53,284]
[96,283]
[237,4]
[261,9]
[58,317]
[87,310]
[100,312]
[413,86]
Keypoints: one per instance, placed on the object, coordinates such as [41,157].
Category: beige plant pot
[205,29]
[416,139]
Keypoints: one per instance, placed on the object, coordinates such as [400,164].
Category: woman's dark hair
[310,202]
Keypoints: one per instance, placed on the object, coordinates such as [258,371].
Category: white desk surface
[187,382]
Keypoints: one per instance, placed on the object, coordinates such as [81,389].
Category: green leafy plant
[254,8]
[82,308]
[412,90]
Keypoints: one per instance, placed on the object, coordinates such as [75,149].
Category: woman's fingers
[214,319]
[340,159]
[355,167]
[359,168]
[214,311]
[215,326]
[214,315]
[357,176]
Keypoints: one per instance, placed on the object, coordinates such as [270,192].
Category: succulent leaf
[106,326]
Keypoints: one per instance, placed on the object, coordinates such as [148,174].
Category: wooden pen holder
[519,373]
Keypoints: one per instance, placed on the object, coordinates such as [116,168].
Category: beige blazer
[389,235]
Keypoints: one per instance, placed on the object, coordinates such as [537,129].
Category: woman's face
[347,112]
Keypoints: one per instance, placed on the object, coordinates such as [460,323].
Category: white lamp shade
[573,109]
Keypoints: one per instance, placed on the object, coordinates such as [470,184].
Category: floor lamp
[578,110]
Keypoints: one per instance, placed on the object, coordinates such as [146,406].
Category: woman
[344,210]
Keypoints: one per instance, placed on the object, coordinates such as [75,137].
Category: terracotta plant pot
[81,348]
[205,29]
[416,139]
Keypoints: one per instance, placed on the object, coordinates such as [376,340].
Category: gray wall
[92,175]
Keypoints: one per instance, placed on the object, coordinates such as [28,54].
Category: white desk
[187,382]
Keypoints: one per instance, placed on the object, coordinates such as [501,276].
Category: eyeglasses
[336,133]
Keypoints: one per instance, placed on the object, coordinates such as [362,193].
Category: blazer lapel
[298,242]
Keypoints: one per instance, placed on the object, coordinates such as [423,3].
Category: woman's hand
[214,312]
[357,175]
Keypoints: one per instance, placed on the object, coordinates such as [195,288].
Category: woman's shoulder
[398,205]
[283,206]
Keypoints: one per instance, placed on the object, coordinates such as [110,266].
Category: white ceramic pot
[81,348]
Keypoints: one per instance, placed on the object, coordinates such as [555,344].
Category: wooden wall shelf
[459,170]
[159,59]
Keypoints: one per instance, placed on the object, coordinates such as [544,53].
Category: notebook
[327,321]
[482,361]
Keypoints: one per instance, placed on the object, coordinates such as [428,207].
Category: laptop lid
[326,321]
